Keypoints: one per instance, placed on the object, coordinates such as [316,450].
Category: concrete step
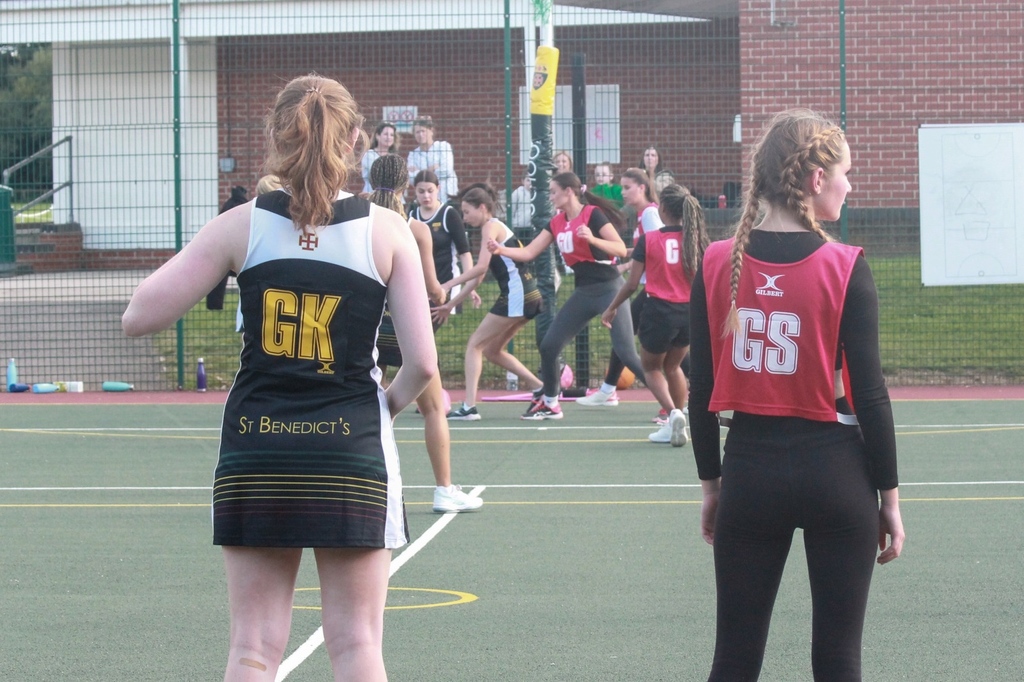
[15,269]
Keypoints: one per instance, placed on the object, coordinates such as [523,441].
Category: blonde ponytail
[309,132]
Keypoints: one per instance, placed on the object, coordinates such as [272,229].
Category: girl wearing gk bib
[773,313]
[307,456]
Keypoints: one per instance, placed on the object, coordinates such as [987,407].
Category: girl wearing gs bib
[774,312]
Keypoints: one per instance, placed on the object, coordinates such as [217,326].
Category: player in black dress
[308,456]
[518,301]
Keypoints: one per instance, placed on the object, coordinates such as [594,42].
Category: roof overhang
[698,9]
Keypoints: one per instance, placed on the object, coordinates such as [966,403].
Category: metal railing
[68,184]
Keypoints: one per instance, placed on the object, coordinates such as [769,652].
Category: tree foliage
[26,113]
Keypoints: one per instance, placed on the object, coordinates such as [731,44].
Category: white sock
[550,402]
[607,388]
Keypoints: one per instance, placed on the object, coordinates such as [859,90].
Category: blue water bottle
[12,374]
[201,376]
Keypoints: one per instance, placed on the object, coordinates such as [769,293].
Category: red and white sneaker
[539,411]
[661,419]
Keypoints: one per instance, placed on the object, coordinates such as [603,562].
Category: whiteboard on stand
[972,204]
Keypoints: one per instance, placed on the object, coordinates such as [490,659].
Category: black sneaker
[539,410]
[466,414]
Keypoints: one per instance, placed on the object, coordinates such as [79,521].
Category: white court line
[617,427]
[144,429]
[112,488]
[107,488]
[317,638]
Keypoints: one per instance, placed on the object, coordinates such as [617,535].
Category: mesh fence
[124,128]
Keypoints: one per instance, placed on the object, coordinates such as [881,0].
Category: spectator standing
[650,161]
[562,161]
[522,208]
[385,141]
[435,156]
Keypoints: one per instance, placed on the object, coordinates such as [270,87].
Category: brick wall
[908,63]
[678,91]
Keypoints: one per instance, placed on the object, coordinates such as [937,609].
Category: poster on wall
[401,115]
[972,204]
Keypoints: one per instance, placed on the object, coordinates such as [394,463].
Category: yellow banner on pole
[545,74]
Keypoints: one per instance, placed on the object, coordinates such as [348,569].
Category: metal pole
[542,110]
[8,250]
[176,133]
[511,346]
[71,180]
[579,162]
[844,230]
[508,112]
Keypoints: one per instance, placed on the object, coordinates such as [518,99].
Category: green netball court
[585,563]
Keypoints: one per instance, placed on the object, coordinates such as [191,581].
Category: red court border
[1014,392]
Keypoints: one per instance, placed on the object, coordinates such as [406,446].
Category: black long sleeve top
[858,338]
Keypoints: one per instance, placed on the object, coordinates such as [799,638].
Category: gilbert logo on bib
[769,288]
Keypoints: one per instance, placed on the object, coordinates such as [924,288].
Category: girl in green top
[604,187]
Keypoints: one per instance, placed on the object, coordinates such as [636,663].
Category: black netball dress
[307,454]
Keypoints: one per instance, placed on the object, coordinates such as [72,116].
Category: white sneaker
[599,399]
[452,499]
[662,435]
[677,428]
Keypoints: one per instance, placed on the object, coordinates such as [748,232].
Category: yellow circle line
[461,598]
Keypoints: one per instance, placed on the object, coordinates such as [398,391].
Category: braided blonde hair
[794,144]
[389,176]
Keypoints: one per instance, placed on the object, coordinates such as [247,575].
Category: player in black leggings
[773,313]
[584,229]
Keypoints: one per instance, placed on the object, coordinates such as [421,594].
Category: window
[602,103]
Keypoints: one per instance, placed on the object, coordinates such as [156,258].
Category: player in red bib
[668,257]
[639,194]
[586,233]
[773,313]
